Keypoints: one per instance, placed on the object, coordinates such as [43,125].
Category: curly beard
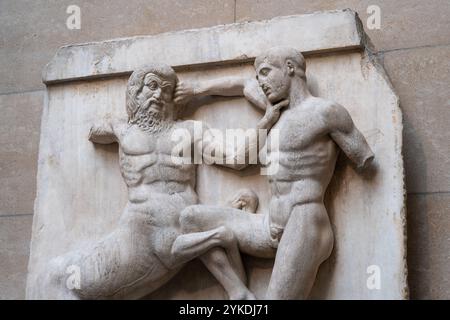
[151,120]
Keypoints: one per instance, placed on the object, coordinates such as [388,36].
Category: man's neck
[299,92]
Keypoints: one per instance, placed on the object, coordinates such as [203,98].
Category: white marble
[81,193]
[238,42]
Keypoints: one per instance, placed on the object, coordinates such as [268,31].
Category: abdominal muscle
[296,185]
[159,204]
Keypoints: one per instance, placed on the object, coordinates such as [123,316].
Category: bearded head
[149,96]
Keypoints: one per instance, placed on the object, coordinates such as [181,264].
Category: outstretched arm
[233,86]
[215,149]
[348,137]
[226,86]
[102,132]
[239,157]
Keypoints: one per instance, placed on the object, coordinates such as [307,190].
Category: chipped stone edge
[374,58]
[59,69]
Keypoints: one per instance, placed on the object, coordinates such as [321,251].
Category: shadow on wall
[418,237]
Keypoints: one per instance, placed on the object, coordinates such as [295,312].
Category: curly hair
[136,82]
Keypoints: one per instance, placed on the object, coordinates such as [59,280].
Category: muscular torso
[306,159]
[136,256]
[156,185]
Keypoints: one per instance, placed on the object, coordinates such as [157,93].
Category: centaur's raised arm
[235,158]
[225,86]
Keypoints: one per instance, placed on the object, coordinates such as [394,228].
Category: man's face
[274,81]
[156,94]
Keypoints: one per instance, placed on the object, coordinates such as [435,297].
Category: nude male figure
[138,257]
[296,230]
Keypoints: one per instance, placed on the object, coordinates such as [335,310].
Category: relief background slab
[81,192]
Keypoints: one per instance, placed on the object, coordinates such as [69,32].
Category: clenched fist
[184,92]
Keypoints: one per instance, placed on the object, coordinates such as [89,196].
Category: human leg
[306,242]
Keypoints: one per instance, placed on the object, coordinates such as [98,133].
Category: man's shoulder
[325,106]
[329,109]
[332,113]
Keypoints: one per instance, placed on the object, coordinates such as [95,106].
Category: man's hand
[184,93]
[273,111]
[272,114]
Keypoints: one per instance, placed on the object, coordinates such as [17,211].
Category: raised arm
[348,137]
[103,132]
[225,86]
[215,149]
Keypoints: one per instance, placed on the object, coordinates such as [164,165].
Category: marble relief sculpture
[163,226]
[296,230]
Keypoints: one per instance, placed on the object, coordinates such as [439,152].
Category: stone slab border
[234,43]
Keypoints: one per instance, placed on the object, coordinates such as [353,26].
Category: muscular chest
[135,142]
[141,150]
[296,130]
[146,157]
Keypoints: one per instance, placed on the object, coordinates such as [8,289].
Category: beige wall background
[413,43]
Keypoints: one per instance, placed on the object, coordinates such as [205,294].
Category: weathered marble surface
[323,31]
[81,193]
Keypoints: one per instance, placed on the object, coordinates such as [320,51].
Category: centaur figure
[140,256]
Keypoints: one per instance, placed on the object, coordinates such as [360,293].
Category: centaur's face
[156,95]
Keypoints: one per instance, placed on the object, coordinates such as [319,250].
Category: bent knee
[189,219]
[323,241]
[227,237]
[197,218]
[327,243]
